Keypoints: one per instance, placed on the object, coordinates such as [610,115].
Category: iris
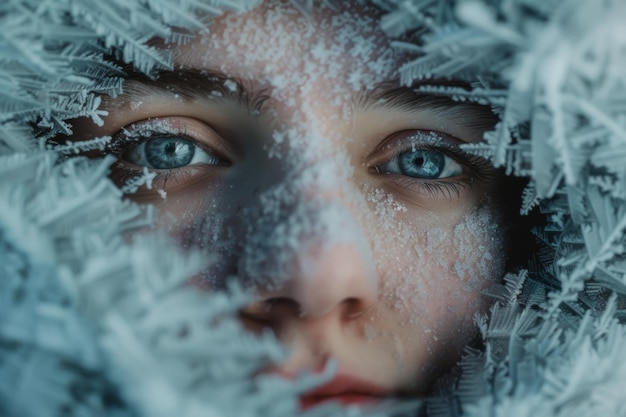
[425,164]
[169,152]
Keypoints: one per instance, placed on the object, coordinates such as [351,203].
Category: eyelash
[480,171]
[124,139]
[127,138]
[122,174]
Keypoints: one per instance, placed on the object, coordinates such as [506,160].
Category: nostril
[282,307]
[353,308]
[271,310]
[254,320]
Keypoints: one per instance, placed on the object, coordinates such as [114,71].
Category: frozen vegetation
[91,323]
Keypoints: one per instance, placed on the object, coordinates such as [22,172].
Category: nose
[332,277]
[327,279]
[307,251]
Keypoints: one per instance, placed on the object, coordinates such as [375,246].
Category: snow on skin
[297,197]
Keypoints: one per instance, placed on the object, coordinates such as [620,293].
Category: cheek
[433,267]
[196,214]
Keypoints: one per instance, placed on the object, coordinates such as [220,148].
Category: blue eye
[169,152]
[423,164]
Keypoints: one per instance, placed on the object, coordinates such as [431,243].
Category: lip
[345,389]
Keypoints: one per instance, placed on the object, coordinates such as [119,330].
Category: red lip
[345,389]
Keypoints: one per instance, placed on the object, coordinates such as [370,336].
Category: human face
[284,147]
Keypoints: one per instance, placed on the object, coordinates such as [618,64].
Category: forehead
[279,45]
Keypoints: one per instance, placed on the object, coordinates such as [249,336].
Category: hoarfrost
[133,184]
[562,122]
[386,206]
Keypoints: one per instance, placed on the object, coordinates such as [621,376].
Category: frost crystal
[93,324]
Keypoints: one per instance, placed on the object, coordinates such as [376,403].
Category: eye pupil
[170,149]
[418,161]
[169,152]
[422,164]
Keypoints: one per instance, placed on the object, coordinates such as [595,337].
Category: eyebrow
[393,96]
[193,84]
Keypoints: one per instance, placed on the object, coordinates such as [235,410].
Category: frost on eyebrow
[186,84]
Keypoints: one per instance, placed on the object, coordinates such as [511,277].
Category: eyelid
[188,128]
[478,168]
[413,139]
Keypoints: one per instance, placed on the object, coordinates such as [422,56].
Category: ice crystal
[95,325]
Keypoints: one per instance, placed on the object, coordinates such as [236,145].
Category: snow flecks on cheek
[371,332]
[432,267]
[479,239]
[386,208]
[432,258]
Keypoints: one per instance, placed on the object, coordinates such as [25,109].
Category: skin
[349,260]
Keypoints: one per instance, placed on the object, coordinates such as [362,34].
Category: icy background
[84,329]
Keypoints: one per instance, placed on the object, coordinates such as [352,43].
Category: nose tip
[327,277]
